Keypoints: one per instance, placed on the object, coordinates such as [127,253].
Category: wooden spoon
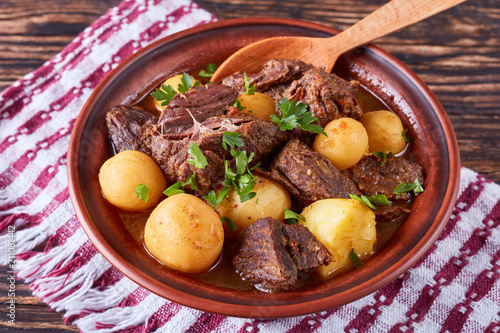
[392,16]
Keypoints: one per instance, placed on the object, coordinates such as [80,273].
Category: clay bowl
[434,147]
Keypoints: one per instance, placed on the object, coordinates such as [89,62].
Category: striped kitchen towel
[454,288]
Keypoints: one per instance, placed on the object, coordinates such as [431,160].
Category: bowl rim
[282,310]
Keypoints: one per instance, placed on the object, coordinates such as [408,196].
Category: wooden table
[457,53]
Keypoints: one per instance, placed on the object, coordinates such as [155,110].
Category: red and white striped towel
[454,288]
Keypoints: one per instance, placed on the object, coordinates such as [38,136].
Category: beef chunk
[273,255]
[260,137]
[200,102]
[127,128]
[309,175]
[390,213]
[275,73]
[372,177]
[328,96]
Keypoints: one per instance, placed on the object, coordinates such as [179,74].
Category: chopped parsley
[177,187]
[382,156]
[142,192]
[199,161]
[237,104]
[215,200]
[295,114]
[230,224]
[291,217]
[416,187]
[407,138]
[232,139]
[377,199]
[249,89]
[355,259]
[211,68]
[166,92]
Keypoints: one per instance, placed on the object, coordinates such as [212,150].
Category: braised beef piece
[390,213]
[273,75]
[308,175]
[372,177]
[260,137]
[328,96]
[127,128]
[200,102]
[273,255]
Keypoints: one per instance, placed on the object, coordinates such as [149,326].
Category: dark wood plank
[457,53]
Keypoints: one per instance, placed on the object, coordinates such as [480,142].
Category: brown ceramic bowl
[434,147]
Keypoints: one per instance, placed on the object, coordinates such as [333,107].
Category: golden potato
[120,175]
[174,81]
[384,131]
[272,200]
[259,105]
[184,233]
[341,225]
[346,143]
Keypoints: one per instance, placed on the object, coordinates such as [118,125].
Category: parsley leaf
[416,187]
[177,187]
[232,139]
[199,161]
[165,94]
[215,200]
[295,114]
[249,89]
[363,199]
[383,156]
[237,103]
[379,199]
[376,199]
[407,138]
[142,192]
[291,217]
[187,83]
[355,259]
[230,224]
[211,68]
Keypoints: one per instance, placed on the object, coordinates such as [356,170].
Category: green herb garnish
[215,200]
[295,114]
[249,89]
[164,94]
[363,199]
[237,103]
[232,139]
[407,138]
[177,187]
[382,156]
[291,217]
[230,224]
[187,83]
[211,68]
[142,192]
[416,187]
[379,199]
[199,161]
[355,259]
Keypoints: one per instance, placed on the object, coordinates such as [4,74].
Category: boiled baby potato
[271,201]
[184,233]
[341,225]
[121,174]
[384,130]
[258,104]
[174,81]
[346,143]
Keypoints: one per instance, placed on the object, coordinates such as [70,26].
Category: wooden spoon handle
[392,16]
